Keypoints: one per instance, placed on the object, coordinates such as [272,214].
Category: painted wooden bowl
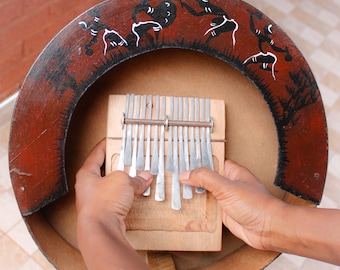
[225,50]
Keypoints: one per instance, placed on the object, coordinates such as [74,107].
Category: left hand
[98,196]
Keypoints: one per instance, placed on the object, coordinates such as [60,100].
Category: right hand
[247,206]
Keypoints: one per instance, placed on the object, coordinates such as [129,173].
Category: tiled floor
[315,27]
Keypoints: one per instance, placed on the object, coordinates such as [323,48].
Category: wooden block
[154,225]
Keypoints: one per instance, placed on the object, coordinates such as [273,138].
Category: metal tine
[133,170]
[169,159]
[205,159]
[140,153]
[193,163]
[160,193]
[187,190]
[208,131]
[122,148]
[154,160]
[147,192]
[128,146]
[175,190]
[180,137]
[197,140]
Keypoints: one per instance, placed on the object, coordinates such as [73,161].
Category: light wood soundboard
[154,225]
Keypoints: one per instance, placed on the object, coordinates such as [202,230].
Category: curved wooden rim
[227,30]
[114,31]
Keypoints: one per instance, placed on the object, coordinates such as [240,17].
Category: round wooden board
[275,118]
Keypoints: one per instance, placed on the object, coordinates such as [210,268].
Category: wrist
[102,242]
[90,218]
[275,231]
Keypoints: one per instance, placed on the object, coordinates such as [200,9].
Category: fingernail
[184,175]
[146,175]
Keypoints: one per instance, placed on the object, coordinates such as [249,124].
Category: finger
[95,159]
[233,171]
[204,178]
[141,182]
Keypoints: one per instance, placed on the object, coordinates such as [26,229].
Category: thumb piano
[168,135]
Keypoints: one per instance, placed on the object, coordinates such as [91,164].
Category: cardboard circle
[113,32]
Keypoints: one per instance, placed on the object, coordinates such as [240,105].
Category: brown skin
[265,222]
[102,205]
[249,211]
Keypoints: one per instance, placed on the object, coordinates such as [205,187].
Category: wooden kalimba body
[167,136]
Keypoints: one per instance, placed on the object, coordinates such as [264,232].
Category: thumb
[141,182]
[204,178]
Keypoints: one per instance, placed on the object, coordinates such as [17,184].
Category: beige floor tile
[9,213]
[334,36]
[323,58]
[11,255]
[330,5]
[292,24]
[331,191]
[328,17]
[312,36]
[334,167]
[276,16]
[285,6]
[334,117]
[5,181]
[21,236]
[285,262]
[327,202]
[4,135]
[30,264]
[329,96]
[334,2]
[316,265]
[332,80]
[306,48]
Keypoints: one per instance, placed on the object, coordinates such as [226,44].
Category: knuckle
[80,173]
[120,176]
[200,176]
[201,173]
[138,186]
[233,170]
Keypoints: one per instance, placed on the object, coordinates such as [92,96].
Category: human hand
[102,204]
[246,204]
[99,197]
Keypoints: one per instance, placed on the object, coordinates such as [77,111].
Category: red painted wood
[226,29]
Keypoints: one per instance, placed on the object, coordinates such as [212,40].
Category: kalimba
[168,135]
